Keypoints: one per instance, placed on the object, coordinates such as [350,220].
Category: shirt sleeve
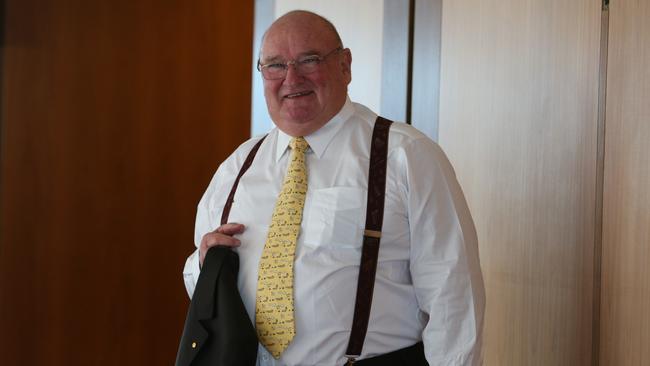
[208,212]
[444,261]
[205,222]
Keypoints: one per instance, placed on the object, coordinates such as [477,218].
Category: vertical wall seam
[3,47]
[600,177]
[409,71]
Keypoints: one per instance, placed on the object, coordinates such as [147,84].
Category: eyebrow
[277,58]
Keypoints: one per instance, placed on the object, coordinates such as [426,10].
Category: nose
[293,75]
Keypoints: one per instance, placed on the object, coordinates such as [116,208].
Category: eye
[310,60]
[275,66]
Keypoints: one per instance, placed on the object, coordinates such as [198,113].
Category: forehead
[291,39]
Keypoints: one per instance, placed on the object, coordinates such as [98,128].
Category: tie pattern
[274,315]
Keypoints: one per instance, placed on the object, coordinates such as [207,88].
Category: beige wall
[519,119]
[625,308]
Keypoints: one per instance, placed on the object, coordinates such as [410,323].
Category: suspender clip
[372,233]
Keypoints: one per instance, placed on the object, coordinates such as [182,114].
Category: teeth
[297,94]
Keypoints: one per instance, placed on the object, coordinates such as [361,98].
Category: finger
[225,240]
[214,239]
[230,229]
[220,239]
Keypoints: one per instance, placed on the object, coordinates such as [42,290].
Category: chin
[297,127]
[298,114]
[298,119]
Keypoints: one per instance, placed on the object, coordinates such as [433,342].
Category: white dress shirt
[428,284]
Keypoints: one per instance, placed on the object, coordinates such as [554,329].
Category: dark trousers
[411,356]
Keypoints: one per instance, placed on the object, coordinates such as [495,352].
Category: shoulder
[400,133]
[239,155]
[242,150]
[228,169]
[403,134]
[404,140]
[417,152]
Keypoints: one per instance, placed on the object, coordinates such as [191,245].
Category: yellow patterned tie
[274,305]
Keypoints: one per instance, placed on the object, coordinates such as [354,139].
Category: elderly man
[299,212]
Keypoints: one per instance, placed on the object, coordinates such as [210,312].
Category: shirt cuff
[191,272]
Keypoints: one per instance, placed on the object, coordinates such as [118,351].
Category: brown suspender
[247,164]
[371,237]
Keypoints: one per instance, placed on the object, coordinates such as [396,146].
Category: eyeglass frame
[297,62]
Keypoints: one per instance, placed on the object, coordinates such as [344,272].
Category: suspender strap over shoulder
[247,164]
[371,238]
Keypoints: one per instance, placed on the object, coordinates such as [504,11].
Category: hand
[221,236]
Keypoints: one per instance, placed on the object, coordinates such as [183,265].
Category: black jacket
[218,331]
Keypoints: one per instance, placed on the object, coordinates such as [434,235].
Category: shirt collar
[321,138]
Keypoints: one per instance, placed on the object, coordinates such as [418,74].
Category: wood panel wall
[518,119]
[115,114]
[625,320]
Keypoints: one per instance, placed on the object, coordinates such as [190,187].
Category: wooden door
[115,114]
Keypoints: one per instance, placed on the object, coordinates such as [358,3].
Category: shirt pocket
[334,217]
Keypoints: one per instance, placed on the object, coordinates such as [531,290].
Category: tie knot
[299,144]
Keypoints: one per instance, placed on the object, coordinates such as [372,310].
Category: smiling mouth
[298,95]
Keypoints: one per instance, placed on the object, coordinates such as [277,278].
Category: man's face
[300,104]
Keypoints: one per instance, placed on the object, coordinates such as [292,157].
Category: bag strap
[371,237]
[247,164]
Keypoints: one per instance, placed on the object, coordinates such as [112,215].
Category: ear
[346,64]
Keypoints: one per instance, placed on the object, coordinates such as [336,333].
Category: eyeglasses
[304,65]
